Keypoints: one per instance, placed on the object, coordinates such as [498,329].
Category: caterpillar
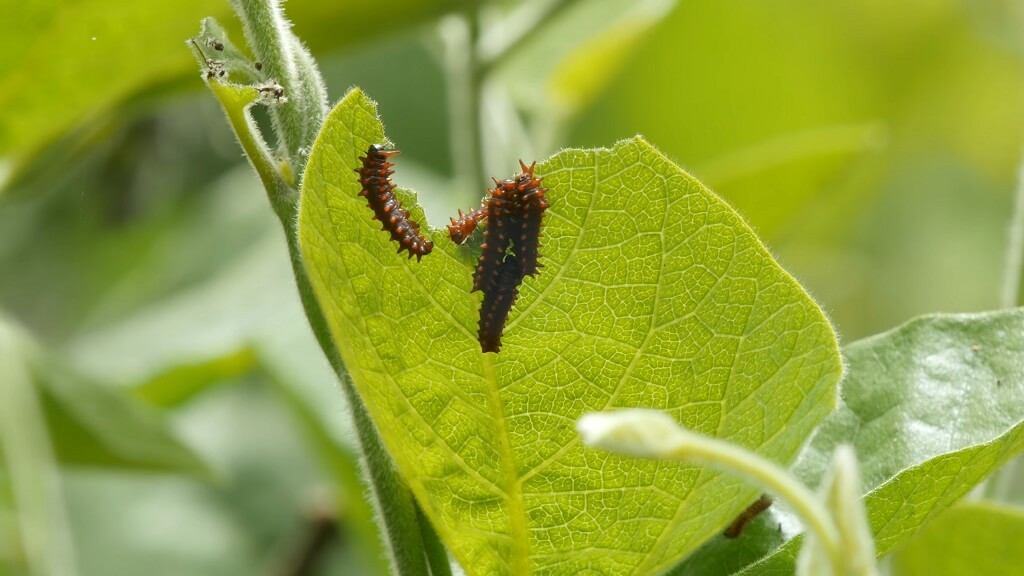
[459,230]
[379,191]
[526,239]
[497,303]
[513,212]
[747,516]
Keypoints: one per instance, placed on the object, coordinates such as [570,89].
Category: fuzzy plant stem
[396,510]
[297,120]
[275,47]
[437,555]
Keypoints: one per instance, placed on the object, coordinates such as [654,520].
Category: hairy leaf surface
[654,293]
[931,408]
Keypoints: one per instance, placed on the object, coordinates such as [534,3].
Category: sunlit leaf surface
[654,293]
[931,408]
[973,538]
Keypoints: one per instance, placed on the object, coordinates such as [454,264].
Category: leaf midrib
[514,490]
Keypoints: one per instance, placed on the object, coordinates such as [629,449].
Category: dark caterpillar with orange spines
[460,229]
[499,220]
[498,301]
[379,191]
[526,239]
[513,210]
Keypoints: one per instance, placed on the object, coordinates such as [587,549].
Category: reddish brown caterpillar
[459,230]
[514,210]
[747,516]
[379,191]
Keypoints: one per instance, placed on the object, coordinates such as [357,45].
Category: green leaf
[931,409]
[96,426]
[654,293]
[33,520]
[181,383]
[91,425]
[95,53]
[64,62]
[340,464]
[973,538]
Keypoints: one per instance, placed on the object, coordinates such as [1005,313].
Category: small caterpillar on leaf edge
[379,191]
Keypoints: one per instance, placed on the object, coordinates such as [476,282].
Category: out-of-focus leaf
[697,85]
[341,464]
[938,77]
[174,349]
[94,53]
[805,161]
[131,524]
[96,426]
[972,538]
[933,98]
[164,525]
[561,68]
[178,345]
[931,408]
[35,524]
[65,62]
[180,383]
[211,320]
[99,248]
[290,352]
[654,293]
[10,541]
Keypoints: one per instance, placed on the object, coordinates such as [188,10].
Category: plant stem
[468,64]
[1014,271]
[528,22]
[459,33]
[733,459]
[394,504]
[235,101]
[474,80]
[396,511]
[297,121]
[491,47]
[1001,484]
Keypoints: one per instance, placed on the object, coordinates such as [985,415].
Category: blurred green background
[163,406]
